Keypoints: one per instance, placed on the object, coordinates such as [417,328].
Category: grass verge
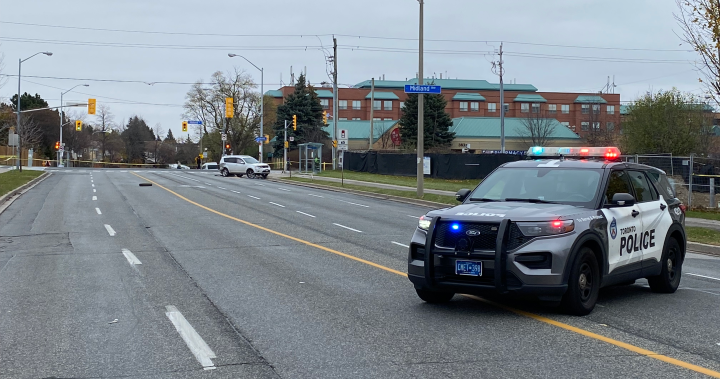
[407,194]
[13,179]
[708,215]
[408,181]
[703,235]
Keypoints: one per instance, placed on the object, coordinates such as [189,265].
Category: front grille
[447,237]
[516,238]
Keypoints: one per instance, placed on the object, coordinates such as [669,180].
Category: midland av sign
[413,88]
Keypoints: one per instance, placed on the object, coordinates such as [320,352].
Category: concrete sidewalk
[278,175]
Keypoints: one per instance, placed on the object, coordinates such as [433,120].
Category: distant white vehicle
[209,166]
[175,166]
[243,165]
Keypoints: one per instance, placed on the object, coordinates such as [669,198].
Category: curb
[9,197]
[399,199]
[703,248]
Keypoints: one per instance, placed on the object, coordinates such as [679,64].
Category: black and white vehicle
[555,229]
[243,165]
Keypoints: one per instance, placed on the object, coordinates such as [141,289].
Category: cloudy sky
[118,46]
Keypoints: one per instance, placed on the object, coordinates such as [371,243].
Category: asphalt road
[234,278]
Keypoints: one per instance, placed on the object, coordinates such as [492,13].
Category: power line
[118,101]
[117,80]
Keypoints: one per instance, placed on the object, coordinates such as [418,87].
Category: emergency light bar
[609,153]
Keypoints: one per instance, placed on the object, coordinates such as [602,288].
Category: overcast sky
[629,39]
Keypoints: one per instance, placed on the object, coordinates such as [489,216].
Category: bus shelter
[310,156]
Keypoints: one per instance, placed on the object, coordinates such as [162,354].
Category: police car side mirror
[623,200]
[462,195]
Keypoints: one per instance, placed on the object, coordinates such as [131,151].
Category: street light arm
[84,85]
[238,55]
[39,52]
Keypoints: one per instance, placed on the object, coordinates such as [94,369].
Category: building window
[586,109]
[566,124]
[610,109]
[376,105]
[387,105]
[596,108]
[474,106]
[357,104]
[565,109]
[324,103]
[343,119]
[536,108]
[387,119]
[356,118]
[596,126]
[552,108]
[492,107]
[507,107]
[524,108]
[463,106]
[585,126]
[402,104]
[342,104]
[610,126]
[377,119]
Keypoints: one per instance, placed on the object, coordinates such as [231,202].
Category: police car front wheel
[434,296]
[583,284]
[669,278]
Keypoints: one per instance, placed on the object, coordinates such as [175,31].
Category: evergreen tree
[436,122]
[135,136]
[305,104]
[169,137]
[28,101]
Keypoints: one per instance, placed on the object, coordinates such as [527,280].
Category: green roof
[383,96]
[274,93]
[624,109]
[476,85]
[468,96]
[483,127]
[323,93]
[360,129]
[529,98]
[590,99]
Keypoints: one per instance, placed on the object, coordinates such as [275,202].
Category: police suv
[557,229]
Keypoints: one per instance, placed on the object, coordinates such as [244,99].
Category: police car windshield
[250,160]
[540,185]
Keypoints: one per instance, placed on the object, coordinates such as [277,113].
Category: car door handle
[662,207]
[635,213]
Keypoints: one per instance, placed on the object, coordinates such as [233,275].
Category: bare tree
[537,128]
[599,132]
[157,141]
[700,23]
[29,132]
[105,124]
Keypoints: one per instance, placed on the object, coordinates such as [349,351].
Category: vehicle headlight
[546,228]
[424,222]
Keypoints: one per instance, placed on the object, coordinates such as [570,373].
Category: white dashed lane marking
[194,342]
[348,228]
[279,205]
[400,244]
[306,214]
[94,198]
[131,257]
[254,197]
[98,211]
[360,205]
[110,230]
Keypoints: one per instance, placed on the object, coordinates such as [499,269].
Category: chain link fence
[696,179]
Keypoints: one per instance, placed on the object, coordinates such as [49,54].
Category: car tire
[434,297]
[583,284]
[669,278]
[265,176]
[224,172]
[250,173]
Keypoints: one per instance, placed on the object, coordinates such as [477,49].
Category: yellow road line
[586,333]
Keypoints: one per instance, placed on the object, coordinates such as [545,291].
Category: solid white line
[194,342]
[254,197]
[94,198]
[279,205]
[413,216]
[314,195]
[702,276]
[131,257]
[399,244]
[283,189]
[366,206]
[306,214]
[98,211]
[110,230]
[94,190]
[343,226]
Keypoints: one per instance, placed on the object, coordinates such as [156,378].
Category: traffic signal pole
[285,149]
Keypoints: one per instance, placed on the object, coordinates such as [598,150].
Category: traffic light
[91,106]
[57,145]
[78,125]
[227,146]
[294,122]
[287,144]
[324,117]
[229,109]
[267,139]
[184,126]
[335,144]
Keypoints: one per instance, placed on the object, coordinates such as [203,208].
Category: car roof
[238,156]
[577,163]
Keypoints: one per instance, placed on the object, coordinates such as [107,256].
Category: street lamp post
[20,61]
[262,100]
[60,157]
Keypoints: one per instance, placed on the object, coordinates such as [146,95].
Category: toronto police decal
[613,228]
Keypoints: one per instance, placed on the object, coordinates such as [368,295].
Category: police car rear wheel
[669,278]
[434,296]
[583,285]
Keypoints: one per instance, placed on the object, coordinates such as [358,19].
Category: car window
[251,160]
[212,166]
[617,183]
[643,190]
[230,160]
[238,160]
[662,184]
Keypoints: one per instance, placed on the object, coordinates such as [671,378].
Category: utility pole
[336,111]
[421,109]
[502,103]
[372,113]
